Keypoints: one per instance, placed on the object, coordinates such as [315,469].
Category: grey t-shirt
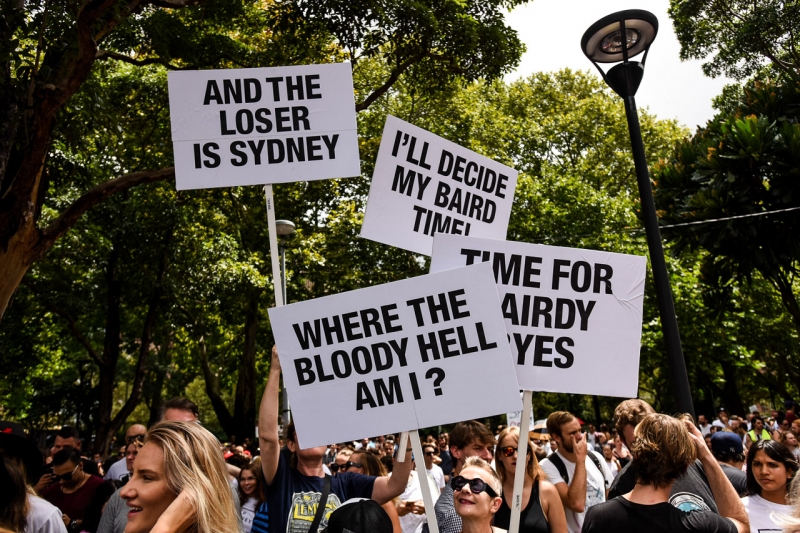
[737,478]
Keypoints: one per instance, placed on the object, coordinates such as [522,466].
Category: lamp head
[619,37]
[284,227]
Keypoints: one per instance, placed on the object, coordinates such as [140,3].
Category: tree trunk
[212,390]
[245,404]
[730,392]
[111,350]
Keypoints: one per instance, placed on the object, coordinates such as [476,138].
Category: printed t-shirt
[293,498]
[595,485]
[248,513]
[690,492]
[622,516]
[759,512]
[75,503]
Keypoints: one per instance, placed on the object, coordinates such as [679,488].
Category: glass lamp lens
[612,43]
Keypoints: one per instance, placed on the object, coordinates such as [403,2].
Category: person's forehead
[472,472]
[479,444]
[150,457]
[69,466]
[571,426]
[69,441]
[246,474]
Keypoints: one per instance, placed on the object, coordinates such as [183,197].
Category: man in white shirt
[434,471]
[581,476]
[703,425]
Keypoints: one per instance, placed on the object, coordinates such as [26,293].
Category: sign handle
[522,455]
[401,447]
[422,474]
[273,246]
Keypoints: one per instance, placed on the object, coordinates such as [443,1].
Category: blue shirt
[293,498]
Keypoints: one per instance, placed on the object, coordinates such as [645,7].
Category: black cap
[14,444]
[359,516]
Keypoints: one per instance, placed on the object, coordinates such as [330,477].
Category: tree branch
[93,197]
[174,4]
[393,77]
[104,55]
[73,327]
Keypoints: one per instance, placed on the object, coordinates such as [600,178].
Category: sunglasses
[428,453]
[134,438]
[476,486]
[508,451]
[343,467]
[65,477]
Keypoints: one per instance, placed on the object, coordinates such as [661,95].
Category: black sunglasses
[428,453]
[335,468]
[134,438]
[476,486]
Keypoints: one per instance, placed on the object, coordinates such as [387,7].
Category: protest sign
[423,185]
[573,316]
[415,353]
[263,125]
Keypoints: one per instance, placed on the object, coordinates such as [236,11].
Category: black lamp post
[615,39]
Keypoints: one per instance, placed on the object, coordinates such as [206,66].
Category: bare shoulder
[547,489]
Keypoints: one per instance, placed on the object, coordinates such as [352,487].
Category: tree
[745,162]
[50,52]
[740,36]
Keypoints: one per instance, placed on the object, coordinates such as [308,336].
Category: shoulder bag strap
[323,502]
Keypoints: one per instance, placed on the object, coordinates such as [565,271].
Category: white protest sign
[574,316]
[423,184]
[410,354]
[263,125]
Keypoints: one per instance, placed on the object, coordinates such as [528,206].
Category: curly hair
[662,450]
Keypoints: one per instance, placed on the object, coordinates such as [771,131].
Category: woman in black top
[542,510]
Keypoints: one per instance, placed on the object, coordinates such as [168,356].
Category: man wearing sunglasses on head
[75,488]
[120,469]
[467,439]
[477,495]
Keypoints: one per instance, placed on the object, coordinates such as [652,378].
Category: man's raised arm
[268,420]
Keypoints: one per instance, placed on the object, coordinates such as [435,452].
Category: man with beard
[581,476]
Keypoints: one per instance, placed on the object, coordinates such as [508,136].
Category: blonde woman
[477,495]
[179,483]
[542,510]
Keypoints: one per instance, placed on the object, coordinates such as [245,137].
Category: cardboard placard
[410,354]
[263,125]
[424,184]
[574,316]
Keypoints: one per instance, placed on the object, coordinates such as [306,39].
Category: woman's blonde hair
[193,464]
[532,467]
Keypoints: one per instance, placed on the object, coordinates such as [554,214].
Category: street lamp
[284,228]
[615,39]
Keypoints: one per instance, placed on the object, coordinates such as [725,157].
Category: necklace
[81,484]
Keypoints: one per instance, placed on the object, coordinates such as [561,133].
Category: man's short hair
[68,432]
[756,417]
[556,420]
[630,412]
[465,433]
[662,450]
[180,404]
[67,454]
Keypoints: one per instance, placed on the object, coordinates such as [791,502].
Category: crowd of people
[648,472]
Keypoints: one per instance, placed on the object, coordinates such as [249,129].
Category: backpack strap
[560,466]
[596,462]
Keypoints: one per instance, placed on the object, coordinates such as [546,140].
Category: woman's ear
[496,503]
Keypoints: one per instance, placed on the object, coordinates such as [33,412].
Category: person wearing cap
[42,517]
[729,452]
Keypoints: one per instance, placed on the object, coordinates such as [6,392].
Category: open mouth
[462,501]
[132,509]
